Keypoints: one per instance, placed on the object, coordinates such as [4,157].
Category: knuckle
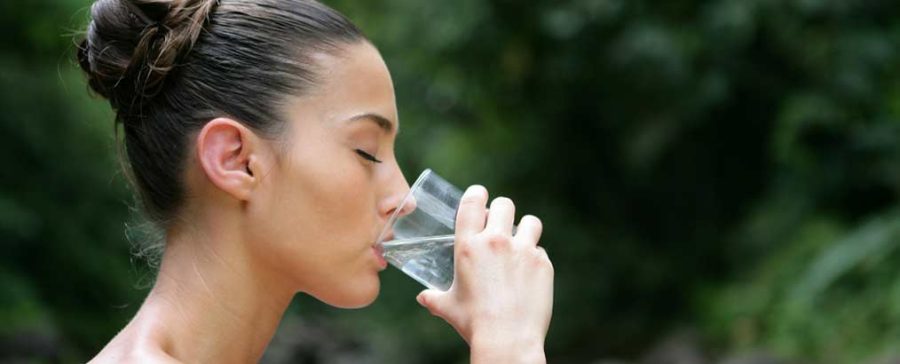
[465,249]
[497,240]
[537,258]
[543,259]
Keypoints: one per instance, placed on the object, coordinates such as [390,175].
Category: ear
[228,153]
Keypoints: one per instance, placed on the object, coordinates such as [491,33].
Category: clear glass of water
[421,242]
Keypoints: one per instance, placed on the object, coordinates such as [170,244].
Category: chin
[357,295]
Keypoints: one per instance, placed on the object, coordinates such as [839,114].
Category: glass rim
[412,189]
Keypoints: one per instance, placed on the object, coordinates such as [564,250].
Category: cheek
[331,191]
[319,215]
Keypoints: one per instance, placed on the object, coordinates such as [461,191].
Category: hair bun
[131,46]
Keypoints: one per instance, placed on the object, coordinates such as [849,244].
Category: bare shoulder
[133,357]
[134,345]
[123,352]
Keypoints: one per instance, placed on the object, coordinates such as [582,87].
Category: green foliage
[826,294]
[732,165]
[66,270]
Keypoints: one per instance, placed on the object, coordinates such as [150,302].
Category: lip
[387,236]
[379,257]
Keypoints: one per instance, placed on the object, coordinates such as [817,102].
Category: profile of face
[329,186]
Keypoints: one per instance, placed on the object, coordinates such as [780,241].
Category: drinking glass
[422,241]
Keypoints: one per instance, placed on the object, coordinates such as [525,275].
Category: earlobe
[225,149]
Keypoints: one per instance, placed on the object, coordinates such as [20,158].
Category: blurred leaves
[826,294]
[65,263]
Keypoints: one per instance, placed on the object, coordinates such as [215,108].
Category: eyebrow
[382,121]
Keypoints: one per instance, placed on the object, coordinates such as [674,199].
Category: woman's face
[323,203]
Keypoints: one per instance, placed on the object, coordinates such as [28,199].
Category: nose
[396,192]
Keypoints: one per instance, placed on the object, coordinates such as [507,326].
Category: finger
[502,216]
[433,300]
[470,218]
[529,230]
[542,252]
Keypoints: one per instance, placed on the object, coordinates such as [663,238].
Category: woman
[260,134]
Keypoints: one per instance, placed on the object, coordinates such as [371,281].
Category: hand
[501,299]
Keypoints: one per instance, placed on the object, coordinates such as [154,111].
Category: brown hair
[169,66]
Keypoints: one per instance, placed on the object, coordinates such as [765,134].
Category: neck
[211,301]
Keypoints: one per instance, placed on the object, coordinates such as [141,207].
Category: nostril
[399,211]
[408,207]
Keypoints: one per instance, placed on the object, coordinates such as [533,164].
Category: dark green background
[717,179]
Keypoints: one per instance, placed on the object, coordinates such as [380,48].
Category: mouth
[387,234]
[379,257]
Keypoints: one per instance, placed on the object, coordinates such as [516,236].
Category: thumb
[434,301]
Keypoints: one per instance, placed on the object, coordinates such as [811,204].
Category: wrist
[500,348]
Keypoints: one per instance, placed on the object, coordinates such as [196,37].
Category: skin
[267,219]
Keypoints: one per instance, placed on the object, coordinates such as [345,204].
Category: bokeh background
[719,180]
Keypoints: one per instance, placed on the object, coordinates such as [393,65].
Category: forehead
[353,81]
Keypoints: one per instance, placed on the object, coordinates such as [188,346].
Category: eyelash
[367,156]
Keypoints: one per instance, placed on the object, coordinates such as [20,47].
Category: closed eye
[367,156]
